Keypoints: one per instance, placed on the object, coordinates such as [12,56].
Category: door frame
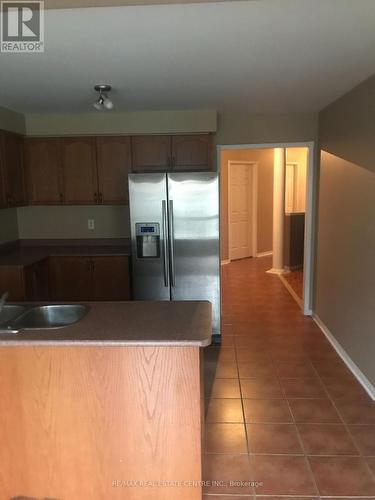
[311,214]
[295,182]
[254,205]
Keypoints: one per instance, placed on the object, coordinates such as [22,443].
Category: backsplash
[8,225]
[55,222]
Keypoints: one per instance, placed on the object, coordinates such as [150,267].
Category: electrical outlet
[91,224]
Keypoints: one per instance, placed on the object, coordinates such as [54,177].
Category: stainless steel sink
[49,317]
[9,312]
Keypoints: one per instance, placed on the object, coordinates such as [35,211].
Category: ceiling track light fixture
[103,101]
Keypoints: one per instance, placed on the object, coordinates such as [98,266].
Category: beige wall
[347,127]
[299,156]
[8,225]
[12,121]
[71,222]
[141,122]
[345,275]
[264,157]
[233,128]
[250,128]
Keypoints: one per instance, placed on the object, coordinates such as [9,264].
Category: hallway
[282,409]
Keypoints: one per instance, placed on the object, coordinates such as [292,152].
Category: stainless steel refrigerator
[174,221]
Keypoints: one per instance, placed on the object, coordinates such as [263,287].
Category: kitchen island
[108,408]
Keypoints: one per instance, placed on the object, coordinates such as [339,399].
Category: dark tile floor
[284,416]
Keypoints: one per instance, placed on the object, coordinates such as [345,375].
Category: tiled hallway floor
[282,408]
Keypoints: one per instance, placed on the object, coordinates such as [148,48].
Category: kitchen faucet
[3,299]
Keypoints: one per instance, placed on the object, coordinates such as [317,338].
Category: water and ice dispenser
[148,240]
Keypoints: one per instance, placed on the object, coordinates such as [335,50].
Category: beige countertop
[135,323]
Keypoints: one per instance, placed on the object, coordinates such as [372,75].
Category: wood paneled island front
[109,408]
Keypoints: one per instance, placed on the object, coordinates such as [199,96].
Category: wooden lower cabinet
[12,280]
[70,278]
[25,283]
[36,281]
[110,278]
[87,423]
[89,278]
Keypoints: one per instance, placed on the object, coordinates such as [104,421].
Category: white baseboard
[273,270]
[226,261]
[291,291]
[264,254]
[294,268]
[359,375]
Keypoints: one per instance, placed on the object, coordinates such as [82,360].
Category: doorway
[256,241]
[242,209]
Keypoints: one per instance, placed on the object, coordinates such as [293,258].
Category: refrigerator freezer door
[149,233]
[193,202]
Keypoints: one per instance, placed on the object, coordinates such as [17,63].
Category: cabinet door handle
[61,198]
[96,197]
[100,197]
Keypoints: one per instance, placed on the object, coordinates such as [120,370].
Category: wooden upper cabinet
[44,171]
[191,152]
[13,169]
[2,181]
[114,165]
[90,170]
[162,153]
[79,170]
[151,153]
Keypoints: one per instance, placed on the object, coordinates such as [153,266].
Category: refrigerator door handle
[165,242]
[171,243]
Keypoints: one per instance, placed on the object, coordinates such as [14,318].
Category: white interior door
[241,191]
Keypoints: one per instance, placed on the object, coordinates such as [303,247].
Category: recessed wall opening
[266,211]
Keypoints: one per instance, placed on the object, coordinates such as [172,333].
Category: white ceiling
[261,56]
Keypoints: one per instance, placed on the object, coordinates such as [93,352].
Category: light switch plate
[91,224]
